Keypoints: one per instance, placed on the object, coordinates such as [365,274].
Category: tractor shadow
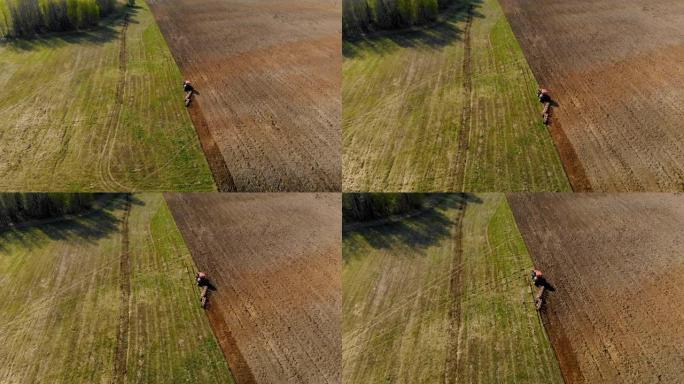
[107,30]
[547,285]
[435,35]
[89,227]
[416,233]
[210,286]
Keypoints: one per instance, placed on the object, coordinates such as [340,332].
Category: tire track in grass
[112,123]
[121,353]
[466,113]
[451,363]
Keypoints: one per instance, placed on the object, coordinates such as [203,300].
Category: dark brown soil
[222,177]
[617,264]
[268,73]
[572,165]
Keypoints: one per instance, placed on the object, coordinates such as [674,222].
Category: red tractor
[545,98]
[539,281]
[205,287]
[189,91]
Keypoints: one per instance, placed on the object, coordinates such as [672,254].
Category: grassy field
[64,317]
[443,297]
[97,111]
[451,106]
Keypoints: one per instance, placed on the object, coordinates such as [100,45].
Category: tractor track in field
[466,112]
[238,364]
[121,353]
[456,286]
[563,352]
[574,170]
[112,123]
[217,163]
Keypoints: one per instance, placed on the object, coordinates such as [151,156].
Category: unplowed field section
[442,297]
[617,263]
[107,297]
[615,68]
[445,107]
[98,110]
[268,76]
[275,261]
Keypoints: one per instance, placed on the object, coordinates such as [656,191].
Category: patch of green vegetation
[501,336]
[164,294]
[406,105]
[65,126]
[405,321]
[61,301]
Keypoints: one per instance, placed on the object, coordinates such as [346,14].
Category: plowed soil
[268,74]
[615,69]
[617,263]
[275,261]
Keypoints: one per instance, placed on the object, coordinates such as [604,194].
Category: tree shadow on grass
[436,35]
[88,227]
[418,232]
[107,30]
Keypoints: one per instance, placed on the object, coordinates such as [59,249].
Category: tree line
[21,18]
[363,16]
[20,207]
[372,206]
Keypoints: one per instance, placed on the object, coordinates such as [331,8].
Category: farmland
[106,296]
[275,261]
[268,77]
[99,110]
[449,106]
[617,263]
[614,68]
[442,296]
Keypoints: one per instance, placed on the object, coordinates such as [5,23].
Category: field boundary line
[217,163]
[237,363]
[121,353]
[574,169]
